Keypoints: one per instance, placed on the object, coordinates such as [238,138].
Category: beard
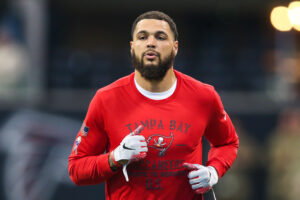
[152,72]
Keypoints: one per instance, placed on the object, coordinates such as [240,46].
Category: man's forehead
[152,25]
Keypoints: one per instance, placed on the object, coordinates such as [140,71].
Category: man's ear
[131,43]
[175,47]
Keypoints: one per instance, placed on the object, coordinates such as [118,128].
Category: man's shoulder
[116,85]
[192,82]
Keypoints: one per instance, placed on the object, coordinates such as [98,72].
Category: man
[149,126]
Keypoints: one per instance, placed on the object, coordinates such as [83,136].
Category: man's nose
[151,42]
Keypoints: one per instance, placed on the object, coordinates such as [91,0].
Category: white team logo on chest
[160,142]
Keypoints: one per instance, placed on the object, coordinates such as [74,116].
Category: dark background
[75,47]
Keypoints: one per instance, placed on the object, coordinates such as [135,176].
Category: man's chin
[149,63]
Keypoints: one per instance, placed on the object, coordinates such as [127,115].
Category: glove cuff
[116,154]
[213,176]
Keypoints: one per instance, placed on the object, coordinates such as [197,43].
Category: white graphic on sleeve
[76,144]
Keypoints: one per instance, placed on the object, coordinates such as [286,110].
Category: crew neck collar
[156,95]
[138,94]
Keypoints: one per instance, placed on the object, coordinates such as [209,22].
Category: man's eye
[142,37]
[161,38]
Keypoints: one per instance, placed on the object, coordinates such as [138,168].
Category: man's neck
[156,86]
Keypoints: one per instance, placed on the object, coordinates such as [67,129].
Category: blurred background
[54,55]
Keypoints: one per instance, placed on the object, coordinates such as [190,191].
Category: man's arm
[88,164]
[224,144]
[222,137]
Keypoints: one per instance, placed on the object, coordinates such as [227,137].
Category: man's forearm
[89,170]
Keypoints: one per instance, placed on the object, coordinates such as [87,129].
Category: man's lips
[151,55]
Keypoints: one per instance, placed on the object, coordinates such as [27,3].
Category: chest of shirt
[169,129]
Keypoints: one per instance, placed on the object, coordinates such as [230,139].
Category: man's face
[153,48]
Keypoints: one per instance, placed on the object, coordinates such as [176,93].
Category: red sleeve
[222,137]
[88,162]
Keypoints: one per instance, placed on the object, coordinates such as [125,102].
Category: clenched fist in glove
[132,148]
[201,178]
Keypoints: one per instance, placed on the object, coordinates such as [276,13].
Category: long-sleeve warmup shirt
[173,128]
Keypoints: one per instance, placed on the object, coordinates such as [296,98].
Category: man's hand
[201,178]
[132,148]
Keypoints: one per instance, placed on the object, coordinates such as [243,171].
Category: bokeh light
[294,14]
[280,19]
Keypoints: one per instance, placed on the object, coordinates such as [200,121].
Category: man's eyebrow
[142,32]
[156,33]
[161,32]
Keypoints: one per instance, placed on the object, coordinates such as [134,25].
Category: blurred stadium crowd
[55,54]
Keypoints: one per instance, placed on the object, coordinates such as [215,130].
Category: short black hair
[156,15]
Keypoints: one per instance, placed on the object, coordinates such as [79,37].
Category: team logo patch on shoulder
[84,129]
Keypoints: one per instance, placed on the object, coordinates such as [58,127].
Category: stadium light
[294,14]
[280,19]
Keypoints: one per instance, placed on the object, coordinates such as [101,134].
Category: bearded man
[143,133]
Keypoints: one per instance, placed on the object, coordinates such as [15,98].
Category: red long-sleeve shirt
[173,128]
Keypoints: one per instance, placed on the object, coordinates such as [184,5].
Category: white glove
[132,148]
[201,178]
